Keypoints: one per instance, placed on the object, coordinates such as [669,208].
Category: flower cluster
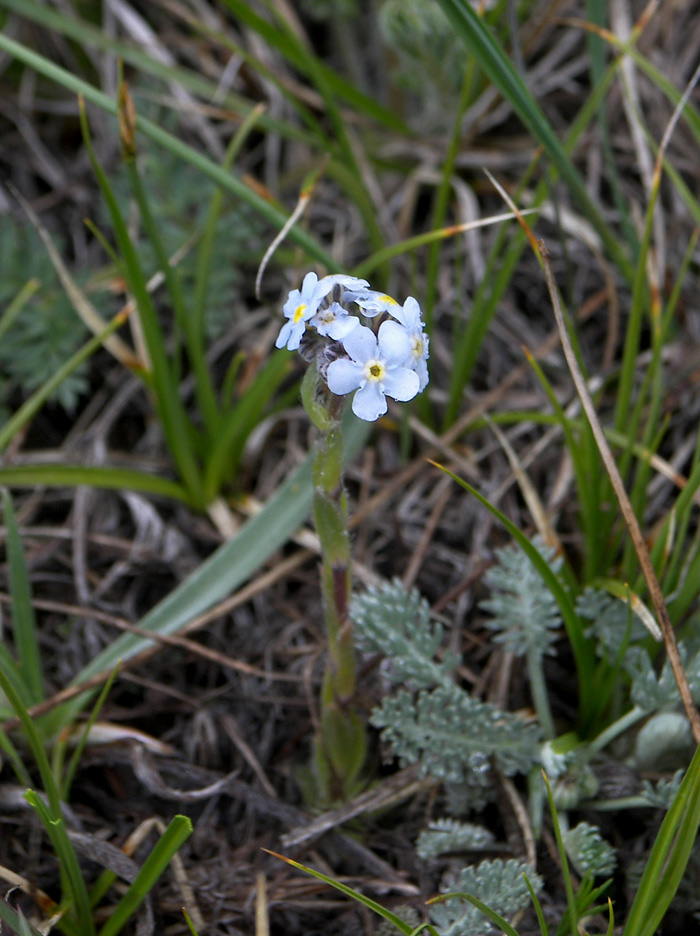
[326,323]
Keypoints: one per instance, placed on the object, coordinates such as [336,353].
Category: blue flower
[378,366]
[410,317]
[302,305]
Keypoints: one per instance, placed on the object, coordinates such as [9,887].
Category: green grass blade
[16,921]
[230,183]
[686,594]
[24,927]
[566,873]
[80,910]
[18,303]
[115,479]
[15,760]
[174,837]
[67,780]
[396,921]
[35,742]
[544,929]
[51,815]
[639,308]
[506,78]
[23,617]
[668,858]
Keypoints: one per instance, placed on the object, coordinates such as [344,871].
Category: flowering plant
[359,341]
[329,321]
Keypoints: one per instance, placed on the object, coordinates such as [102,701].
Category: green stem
[538,691]
[340,748]
[617,728]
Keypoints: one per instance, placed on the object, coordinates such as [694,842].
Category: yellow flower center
[385,298]
[417,346]
[374,370]
[299,313]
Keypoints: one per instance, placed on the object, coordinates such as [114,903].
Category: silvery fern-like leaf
[612,623]
[525,613]
[448,835]
[661,794]
[588,850]
[451,735]
[498,884]
[651,692]
[472,794]
[396,623]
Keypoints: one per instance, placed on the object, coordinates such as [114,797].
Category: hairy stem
[340,749]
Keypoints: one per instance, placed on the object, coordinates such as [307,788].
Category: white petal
[342,326]
[369,402]
[296,334]
[293,301]
[409,314]
[344,376]
[423,376]
[347,282]
[309,284]
[283,336]
[361,344]
[394,343]
[412,313]
[401,384]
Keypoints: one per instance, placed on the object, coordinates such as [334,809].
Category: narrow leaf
[174,837]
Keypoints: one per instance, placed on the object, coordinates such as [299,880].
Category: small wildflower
[378,366]
[302,305]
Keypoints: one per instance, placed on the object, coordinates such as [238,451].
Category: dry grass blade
[301,205]
[262,916]
[46,903]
